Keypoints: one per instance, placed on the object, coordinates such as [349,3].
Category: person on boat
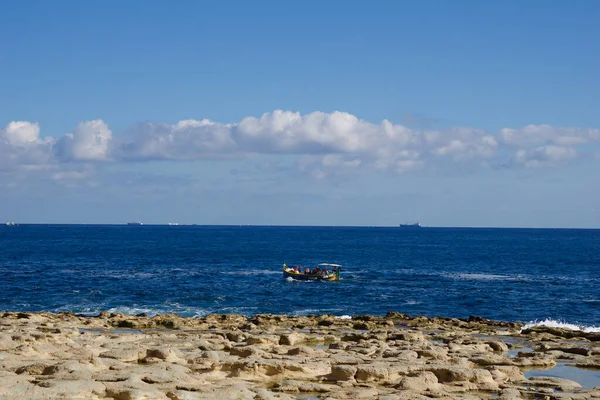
[307,271]
[316,271]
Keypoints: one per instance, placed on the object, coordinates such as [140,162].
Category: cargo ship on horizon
[415,225]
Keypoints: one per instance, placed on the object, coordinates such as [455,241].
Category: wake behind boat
[321,272]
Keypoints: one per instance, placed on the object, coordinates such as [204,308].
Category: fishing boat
[322,272]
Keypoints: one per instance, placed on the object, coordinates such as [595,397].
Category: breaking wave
[551,323]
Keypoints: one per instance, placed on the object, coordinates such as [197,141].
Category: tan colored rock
[301,350]
[434,353]
[510,394]
[264,394]
[68,389]
[420,382]
[336,359]
[407,336]
[497,345]
[564,385]
[372,373]
[502,373]
[163,354]
[127,354]
[135,394]
[490,359]
[291,339]
[274,357]
[401,354]
[342,372]
[359,393]
[355,337]
[35,369]
[265,339]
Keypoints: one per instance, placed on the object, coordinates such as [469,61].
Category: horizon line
[173,224]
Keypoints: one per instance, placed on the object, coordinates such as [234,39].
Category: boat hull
[289,273]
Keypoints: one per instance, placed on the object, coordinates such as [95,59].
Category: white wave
[290,279]
[412,302]
[484,277]
[551,323]
[237,310]
[134,310]
[173,309]
[91,310]
[124,274]
[344,317]
[69,271]
[78,309]
[309,311]
[259,272]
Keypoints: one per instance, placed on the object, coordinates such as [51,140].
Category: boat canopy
[330,265]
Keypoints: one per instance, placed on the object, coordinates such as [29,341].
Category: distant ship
[135,223]
[415,225]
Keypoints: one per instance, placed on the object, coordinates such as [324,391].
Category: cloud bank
[320,142]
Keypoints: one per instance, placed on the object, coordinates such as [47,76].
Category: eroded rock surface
[116,356]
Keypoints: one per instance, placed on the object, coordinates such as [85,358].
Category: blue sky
[464,113]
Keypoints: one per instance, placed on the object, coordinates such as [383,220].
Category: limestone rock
[42,357]
[130,354]
[342,372]
[291,339]
[420,382]
[510,394]
[372,373]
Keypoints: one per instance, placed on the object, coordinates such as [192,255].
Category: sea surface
[534,276]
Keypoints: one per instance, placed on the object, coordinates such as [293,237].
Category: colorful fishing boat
[322,272]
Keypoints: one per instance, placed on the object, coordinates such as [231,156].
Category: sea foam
[560,324]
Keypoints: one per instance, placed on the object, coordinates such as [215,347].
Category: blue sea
[524,275]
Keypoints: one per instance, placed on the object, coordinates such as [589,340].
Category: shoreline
[45,355]
[546,322]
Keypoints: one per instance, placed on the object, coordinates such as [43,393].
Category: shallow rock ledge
[117,356]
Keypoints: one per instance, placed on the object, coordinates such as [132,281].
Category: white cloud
[327,141]
[317,132]
[186,140]
[535,135]
[18,133]
[88,142]
[21,145]
[544,156]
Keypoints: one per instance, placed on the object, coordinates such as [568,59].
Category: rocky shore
[121,357]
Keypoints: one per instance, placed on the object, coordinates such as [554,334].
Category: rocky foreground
[115,356]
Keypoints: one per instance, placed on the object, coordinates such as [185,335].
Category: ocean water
[525,275]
